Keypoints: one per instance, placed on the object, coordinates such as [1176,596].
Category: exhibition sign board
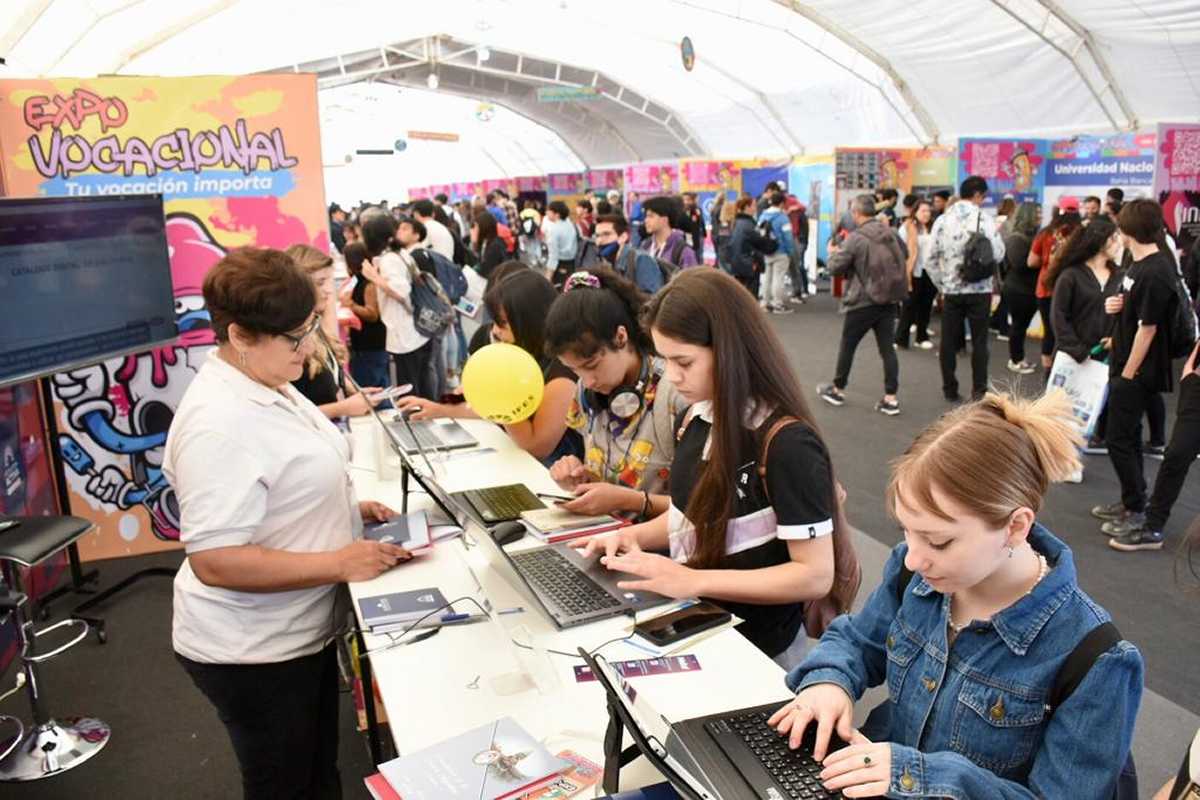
[1177,180]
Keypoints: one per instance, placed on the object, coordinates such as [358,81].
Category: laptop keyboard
[567,588]
[504,502]
[758,752]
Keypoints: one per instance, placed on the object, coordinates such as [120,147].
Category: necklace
[1043,569]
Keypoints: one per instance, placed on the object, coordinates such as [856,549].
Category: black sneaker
[1096,447]
[952,397]
[1132,521]
[1137,539]
[1157,451]
[890,409]
[1112,511]
[830,394]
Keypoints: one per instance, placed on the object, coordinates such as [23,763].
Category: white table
[468,675]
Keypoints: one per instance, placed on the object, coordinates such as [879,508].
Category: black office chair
[49,746]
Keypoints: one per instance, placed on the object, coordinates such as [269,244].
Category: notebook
[410,531]
[399,607]
[558,524]
[582,774]
[496,761]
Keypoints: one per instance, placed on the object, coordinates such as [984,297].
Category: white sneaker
[1075,477]
[1021,368]
[925,345]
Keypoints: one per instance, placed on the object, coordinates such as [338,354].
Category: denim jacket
[971,720]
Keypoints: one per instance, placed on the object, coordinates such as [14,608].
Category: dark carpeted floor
[167,741]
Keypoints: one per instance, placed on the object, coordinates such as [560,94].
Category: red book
[379,788]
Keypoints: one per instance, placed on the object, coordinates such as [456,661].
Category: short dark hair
[662,206]
[1116,193]
[618,221]
[772,186]
[942,193]
[603,207]
[423,207]
[1141,220]
[1091,198]
[260,289]
[888,194]
[777,199]
[559,208]
[911,200]
[441,199]
[417,226]
[972,186]
[523,298]
[584,203]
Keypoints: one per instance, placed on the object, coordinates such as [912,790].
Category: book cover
[410,531]
[385,609]
[549,520]
[582,774]
[497,761]
[379,788]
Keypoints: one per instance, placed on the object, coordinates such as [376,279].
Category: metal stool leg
[50,746]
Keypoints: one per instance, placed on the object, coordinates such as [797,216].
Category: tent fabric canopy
[772,77]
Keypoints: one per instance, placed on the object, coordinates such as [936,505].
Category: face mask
[609,251]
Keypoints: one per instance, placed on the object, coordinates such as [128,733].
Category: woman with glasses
[323,380]
[271,527]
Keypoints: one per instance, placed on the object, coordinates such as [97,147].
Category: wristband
[645,504]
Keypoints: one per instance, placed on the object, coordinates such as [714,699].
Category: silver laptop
[429,434]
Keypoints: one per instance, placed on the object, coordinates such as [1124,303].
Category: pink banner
[440,188]
[1177,180]
[652,178]
[605,179]
[565,182]
[464,191]
[710,176]
[418,193]
[531,183]
[492,184]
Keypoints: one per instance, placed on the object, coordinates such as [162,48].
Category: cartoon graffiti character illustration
[119,411]
[1022,170]
[631,467]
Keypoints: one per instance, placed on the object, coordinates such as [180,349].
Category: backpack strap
[775,428]
[677,251]
[1099,640]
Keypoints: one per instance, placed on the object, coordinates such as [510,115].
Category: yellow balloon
[503,383]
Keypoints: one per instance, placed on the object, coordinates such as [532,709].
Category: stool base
[54,747]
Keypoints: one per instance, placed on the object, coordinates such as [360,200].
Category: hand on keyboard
[864,768]
[609,544]
[828,705]
[659,574]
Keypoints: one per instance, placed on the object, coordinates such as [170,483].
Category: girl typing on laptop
[756,534]
[518,304]
[978,617]
[622,406]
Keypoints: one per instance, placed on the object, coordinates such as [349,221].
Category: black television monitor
[82,279]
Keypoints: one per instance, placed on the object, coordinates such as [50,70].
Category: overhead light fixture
[484,54]
[432,81]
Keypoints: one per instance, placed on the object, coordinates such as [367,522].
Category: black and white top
[800,507]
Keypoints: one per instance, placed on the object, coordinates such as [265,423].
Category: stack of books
[497,761]
[387,613]
[552,525]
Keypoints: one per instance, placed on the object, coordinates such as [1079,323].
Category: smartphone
[681,624]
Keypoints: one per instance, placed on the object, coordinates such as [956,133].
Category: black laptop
[733,755]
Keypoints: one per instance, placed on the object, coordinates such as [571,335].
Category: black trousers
[1156,420]
[881,320]
[1045,304]
[974,310]
[1181,454]
[917,309]
[283,721]
[414,368]
[1127,401]
[1021,307]
[999,321]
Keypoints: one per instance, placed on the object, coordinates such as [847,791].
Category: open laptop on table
[733,755]
[430,434]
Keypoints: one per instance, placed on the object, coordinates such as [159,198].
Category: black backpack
[1095,643]
[979,263]
[1181,336]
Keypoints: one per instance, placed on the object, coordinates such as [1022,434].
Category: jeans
[1021,307]
[1181,454]
[1044,305]
[882,320]
[413,368]
[369,367]
[1127,401]
[917,309]
[798,271]
[774,281]
[282,719]
[974,310]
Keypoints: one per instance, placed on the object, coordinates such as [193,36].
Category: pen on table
[469,617]
[547,496]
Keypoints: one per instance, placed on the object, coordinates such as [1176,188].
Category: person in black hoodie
[1082,275]
[747,246]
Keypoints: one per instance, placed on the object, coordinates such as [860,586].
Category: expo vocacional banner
[239,162]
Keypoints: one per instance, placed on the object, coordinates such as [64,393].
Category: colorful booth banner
[492,184]
[811,180]
[652,179]
[419,193]
[934,169]
[440,188]
[710,176]
[1010,167]
[532,183]
[564,183]
[1177,180]
[239,162]
[605,179]
[464,191]
[1090,165]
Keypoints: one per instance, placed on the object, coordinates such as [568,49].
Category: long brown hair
[708,308]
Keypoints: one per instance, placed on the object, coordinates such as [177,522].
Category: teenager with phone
[755,534]
[977,613]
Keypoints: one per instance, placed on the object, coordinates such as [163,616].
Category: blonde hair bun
[1050,423]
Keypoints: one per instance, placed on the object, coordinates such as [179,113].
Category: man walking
[969,302]
[876,281]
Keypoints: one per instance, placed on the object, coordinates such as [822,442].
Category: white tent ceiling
[772,76]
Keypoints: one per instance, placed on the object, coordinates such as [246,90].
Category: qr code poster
[1010,167]
[1177,181]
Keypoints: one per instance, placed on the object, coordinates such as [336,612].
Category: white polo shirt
[253,466]
[439,238]
[402,335]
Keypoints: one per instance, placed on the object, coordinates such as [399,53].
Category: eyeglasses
[309,331]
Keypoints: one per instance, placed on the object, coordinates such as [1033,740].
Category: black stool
[50,746]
